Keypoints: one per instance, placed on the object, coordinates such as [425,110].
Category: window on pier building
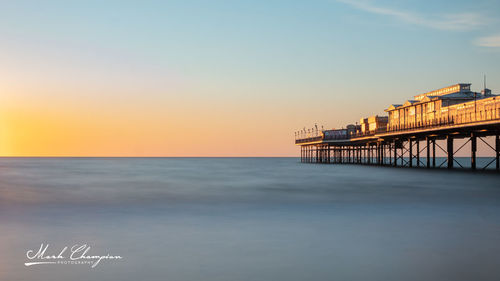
[430,107]
[394,118]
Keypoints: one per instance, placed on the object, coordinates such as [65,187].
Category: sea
[244,219]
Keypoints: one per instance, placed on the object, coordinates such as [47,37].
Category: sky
[224,78]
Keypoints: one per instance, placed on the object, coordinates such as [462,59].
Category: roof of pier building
[459,91]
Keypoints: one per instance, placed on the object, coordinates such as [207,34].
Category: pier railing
[489,115]
[443,123]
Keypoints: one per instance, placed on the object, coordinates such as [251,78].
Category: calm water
[248,219]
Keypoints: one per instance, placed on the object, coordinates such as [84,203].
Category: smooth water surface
[240,219]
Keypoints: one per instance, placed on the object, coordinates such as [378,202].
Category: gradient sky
[223,78]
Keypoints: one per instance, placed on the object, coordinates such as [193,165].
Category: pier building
[411,129]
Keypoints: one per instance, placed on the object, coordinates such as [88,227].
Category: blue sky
[324,61]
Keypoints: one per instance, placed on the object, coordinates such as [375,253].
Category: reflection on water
[248,219]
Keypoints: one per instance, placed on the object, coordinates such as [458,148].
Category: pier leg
[316,154]
[434,153]
[341,154]
[360,154]
[308,154]
[417,142]
[368,160]
[363,154]
[346,159]
[373,158]
[301,153]
[410,152]
[354,154]
[329,156]
[321,154]
[360,148]
[369,153]
[428,151]
[449,151]
[497,148]
[402,153]
[305,154]
[395,154]
[344,154]
[377,153]
[389,153]
[382,154]
[473,148]
[316,158]
[319,150]
[348,154]
[325,154]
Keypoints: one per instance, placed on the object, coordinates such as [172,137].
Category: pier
[408,136]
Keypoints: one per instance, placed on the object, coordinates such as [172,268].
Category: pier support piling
[428,152]
[434,153]
[410,152]
[418,152]
[449,150]
[497,148]
[395,154]
[473,149]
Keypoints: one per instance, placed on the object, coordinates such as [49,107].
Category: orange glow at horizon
[48,127]
[72,109]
